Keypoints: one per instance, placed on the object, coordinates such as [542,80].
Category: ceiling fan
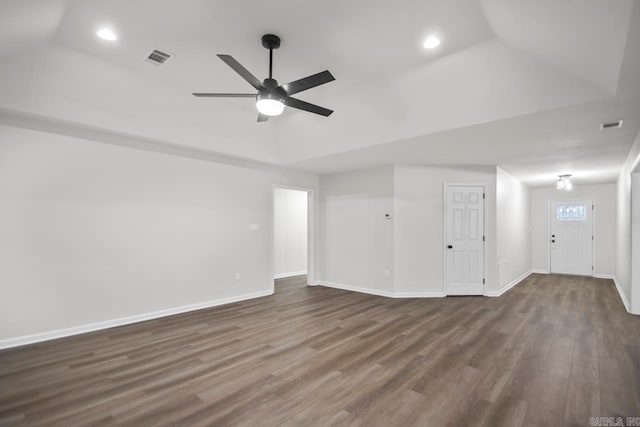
[272,98]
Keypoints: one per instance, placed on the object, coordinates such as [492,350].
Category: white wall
[623,234]
[419,216]
[513,215]
[290,232]
[356,248]
[634,297]
[91,232]
[401,256]
[605,224]
[628,244]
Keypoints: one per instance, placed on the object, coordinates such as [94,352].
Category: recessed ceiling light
[431,42]
[106,34]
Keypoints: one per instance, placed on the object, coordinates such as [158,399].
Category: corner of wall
[628,236]
[513,236]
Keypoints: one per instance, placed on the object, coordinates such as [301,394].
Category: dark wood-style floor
[555,350]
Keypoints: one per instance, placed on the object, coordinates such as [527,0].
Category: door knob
[450,247]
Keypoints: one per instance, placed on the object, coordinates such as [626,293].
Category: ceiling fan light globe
[270,107]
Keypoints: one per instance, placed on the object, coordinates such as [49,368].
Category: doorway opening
[291,231]
[571,237]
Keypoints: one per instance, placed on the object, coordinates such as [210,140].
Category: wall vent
[611,125]
[158,57]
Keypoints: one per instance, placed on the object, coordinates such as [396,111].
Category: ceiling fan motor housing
[270,83]
[273,88]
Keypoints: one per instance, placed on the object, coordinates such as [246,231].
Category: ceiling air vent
[611,125]
[158,57]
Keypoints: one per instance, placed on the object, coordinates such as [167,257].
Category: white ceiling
[586,38]
[523,85]
[537,147]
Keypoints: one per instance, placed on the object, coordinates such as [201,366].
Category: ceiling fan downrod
[270,41]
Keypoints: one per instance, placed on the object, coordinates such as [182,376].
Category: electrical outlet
[237,276]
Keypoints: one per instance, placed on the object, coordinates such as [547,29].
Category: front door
[572,237]
[464,240]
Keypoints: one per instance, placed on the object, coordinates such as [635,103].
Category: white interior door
[572,237]
[464,240]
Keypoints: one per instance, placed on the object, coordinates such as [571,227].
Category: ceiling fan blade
[308,82]
[262,118]
[225,95]
[303,105]
[244,73]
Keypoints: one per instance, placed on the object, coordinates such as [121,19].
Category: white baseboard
[419,295]
[509,285]
[535,271]
[91,327]
[605,276]
[378,292]
[285,275]
[356,289]
[622,295]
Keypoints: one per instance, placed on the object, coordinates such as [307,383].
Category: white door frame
[593,229]
[310,231]
[446,187]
